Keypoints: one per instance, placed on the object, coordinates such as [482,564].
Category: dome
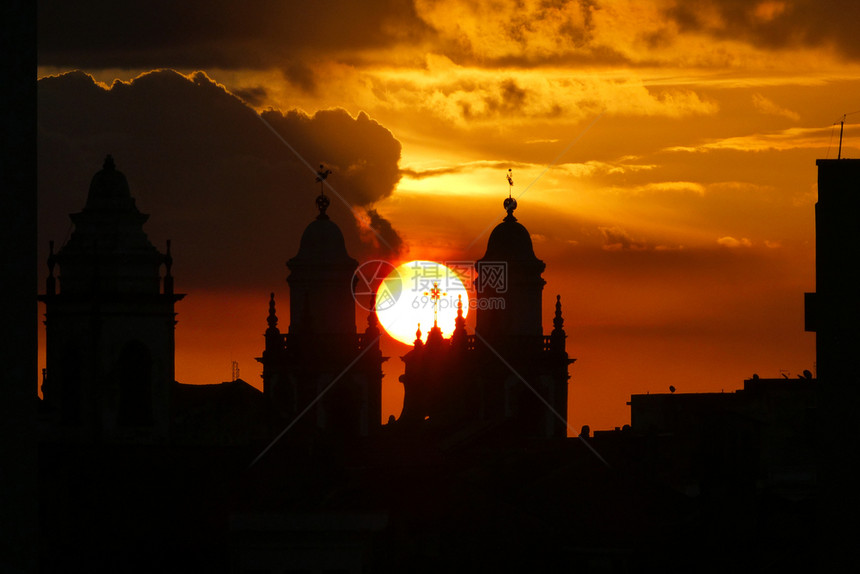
[322,242]
[510,241]
[108,184]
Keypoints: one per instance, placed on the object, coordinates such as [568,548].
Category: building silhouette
[833,313]
[139,473]
[322,363]
[507,374]
[109,323]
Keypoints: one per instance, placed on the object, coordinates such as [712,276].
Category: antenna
[235,374]
[841,129]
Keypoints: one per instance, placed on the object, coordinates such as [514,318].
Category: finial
[372,319]
[459,335]
[558,335]
[418,342]
[460,321]
[272,319]
[322,201]
[558,320]
[510,203]
[109,165]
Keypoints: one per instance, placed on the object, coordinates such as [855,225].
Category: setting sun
[420,292]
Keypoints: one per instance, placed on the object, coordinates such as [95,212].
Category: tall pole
[841,128]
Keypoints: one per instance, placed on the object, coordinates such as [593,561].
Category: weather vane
[322,201]
[435,294]
[510,203]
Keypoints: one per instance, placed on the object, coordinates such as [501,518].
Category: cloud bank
[233,190]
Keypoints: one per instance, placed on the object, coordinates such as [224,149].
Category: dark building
[833,313]
[323,373]
[138,473]
[109,322]
[508,374]
[760,439]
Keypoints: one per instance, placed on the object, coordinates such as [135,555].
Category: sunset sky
[663,155]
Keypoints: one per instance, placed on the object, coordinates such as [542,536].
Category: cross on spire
[435,294]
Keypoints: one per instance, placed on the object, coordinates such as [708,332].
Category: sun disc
[415,293]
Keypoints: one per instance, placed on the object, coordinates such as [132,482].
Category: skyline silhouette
[113,428]
[664,155]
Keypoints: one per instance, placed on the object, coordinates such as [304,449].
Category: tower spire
[458,337]
[272,319]
[372,318]
[418,342]
[558,335]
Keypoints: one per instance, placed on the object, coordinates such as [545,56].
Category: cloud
[773,24]
[656,187]
[382,234]
[781,140]
[253,95]
[766,106]
[733,243]
[616,239]
[218,33]
[485,30]
[233,190]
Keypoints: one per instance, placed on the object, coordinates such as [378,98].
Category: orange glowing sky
[663,154]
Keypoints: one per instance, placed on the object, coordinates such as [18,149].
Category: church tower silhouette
[109,323]
[323,371]
[508,374]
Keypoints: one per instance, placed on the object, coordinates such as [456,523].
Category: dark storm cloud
[774,24]
[229,192]
[217,33]
[255,96]
[386,237]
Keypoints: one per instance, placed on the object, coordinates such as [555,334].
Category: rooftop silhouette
[478,471]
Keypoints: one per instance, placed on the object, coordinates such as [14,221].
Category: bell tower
[322,373]
[525,373]
[508,375]
[109,323]
[510,285]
